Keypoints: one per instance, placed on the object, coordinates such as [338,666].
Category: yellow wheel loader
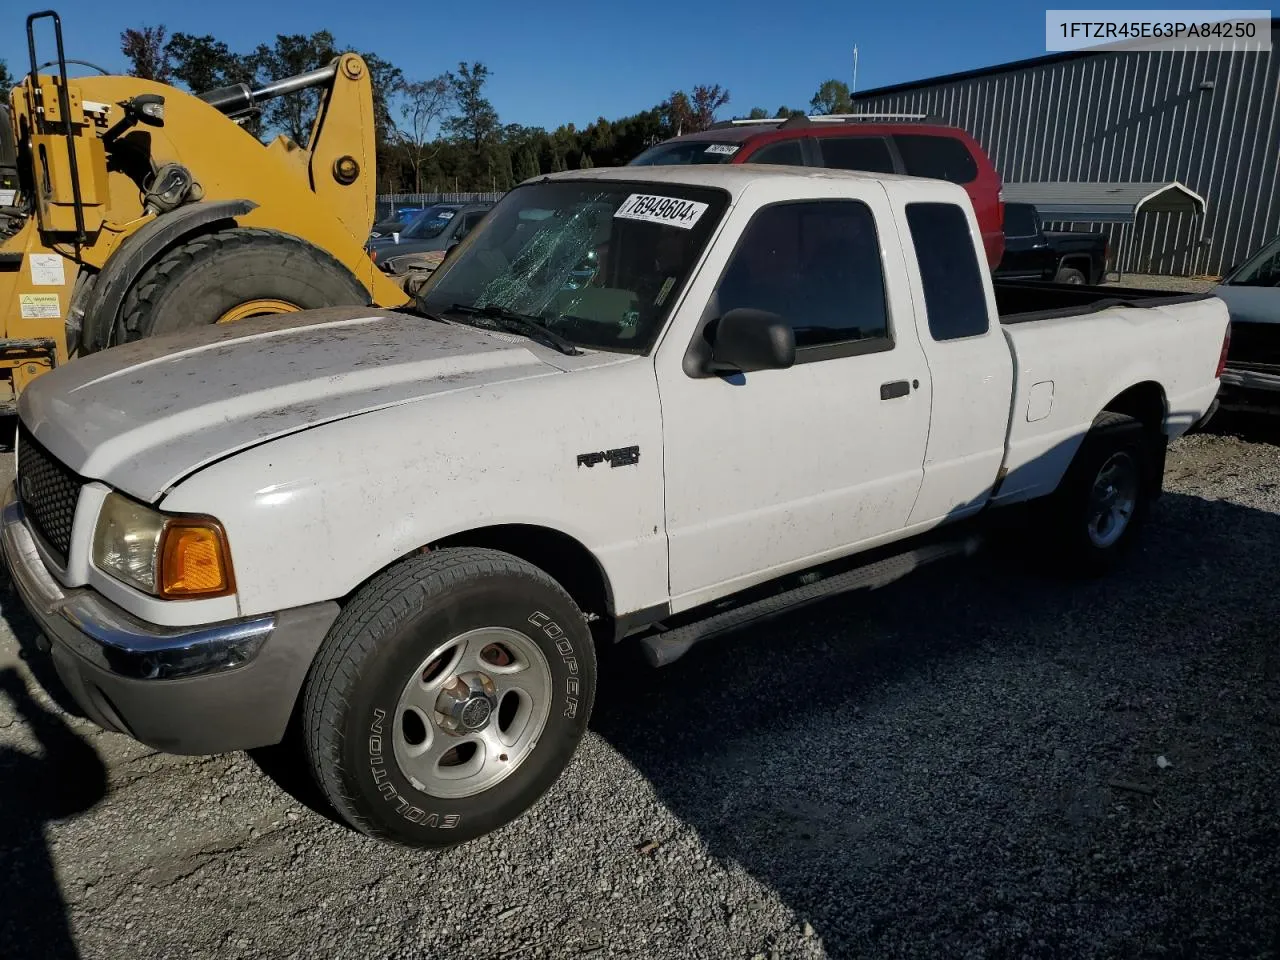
[129,208]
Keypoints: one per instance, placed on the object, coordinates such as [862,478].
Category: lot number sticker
[728,149]
[671,211]
[39,306]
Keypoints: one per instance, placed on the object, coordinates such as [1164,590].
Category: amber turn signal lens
[194,560]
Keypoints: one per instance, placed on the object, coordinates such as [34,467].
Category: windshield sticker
[666,289]
[445,215]
[728,149]
[671,211]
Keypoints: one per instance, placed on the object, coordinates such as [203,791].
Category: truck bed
[1023,301]
[1092,344]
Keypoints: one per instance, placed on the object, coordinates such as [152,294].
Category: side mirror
[449,250]
[747,340]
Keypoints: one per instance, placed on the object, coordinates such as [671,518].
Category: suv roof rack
[800,120]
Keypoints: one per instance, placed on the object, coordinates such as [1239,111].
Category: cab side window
[817,265]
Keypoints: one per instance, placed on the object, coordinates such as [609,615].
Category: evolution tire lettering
[555,633]
[618,457]
[381,779]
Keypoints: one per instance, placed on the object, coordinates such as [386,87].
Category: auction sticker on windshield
[728,149]
[671,211]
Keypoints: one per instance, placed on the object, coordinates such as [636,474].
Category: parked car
[631,406]
[394,224]
[436,229]
[1031,253]
[1251,292]
[877,143]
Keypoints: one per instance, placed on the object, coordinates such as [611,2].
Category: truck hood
[142,416]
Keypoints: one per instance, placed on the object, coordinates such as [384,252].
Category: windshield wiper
[418,308]
[531,326]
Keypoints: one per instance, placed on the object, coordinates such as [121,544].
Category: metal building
[1206,119]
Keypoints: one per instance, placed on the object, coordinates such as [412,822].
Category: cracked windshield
[598,264]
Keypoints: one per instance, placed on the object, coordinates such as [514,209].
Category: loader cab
[8,151]
[9,183]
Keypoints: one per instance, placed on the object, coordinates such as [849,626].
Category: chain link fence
[388,203]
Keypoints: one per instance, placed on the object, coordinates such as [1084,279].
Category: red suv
[880,143]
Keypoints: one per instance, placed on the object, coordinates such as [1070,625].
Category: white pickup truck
[645,404]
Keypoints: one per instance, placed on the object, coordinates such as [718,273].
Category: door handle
[894,389]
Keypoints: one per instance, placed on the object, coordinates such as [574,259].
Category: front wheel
[449,695]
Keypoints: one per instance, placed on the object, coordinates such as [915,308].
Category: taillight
[1222,359]
[373,254]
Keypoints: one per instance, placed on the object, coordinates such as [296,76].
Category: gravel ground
[1014,767]
[1151,281]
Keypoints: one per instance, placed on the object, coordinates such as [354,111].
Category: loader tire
[232,275]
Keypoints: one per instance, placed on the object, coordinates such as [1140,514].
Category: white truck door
[970,363]
[774,470]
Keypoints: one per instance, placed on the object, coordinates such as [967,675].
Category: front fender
[317,513]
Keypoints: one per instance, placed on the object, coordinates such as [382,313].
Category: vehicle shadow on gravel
[1255,427]
[64,777]
[979,760]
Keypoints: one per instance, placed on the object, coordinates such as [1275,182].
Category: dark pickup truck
[1032,254]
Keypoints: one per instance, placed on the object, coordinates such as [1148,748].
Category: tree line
[437,134]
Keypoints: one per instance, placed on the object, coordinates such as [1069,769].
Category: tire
[1069,275]
[371,727]
[1079,544]
[204,278]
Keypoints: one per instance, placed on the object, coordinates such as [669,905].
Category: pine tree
[527,168]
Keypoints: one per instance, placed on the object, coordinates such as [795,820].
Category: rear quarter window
[954,298]
[939,158]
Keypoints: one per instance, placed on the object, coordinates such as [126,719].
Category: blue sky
[556,62]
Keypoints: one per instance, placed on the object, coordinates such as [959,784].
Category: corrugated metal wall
[1135,116]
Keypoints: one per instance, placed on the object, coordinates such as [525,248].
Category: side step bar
[664,648]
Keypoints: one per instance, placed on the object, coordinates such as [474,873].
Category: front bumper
[205,689]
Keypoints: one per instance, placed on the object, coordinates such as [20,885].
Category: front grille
[49,491]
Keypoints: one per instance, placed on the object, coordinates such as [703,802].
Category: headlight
[167,556]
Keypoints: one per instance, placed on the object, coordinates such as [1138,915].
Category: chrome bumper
[102,633]
[1250,379]
[197,690]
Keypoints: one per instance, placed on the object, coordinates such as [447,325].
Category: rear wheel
[1104,497]
[232,275]
[1069,275]
[448,696]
